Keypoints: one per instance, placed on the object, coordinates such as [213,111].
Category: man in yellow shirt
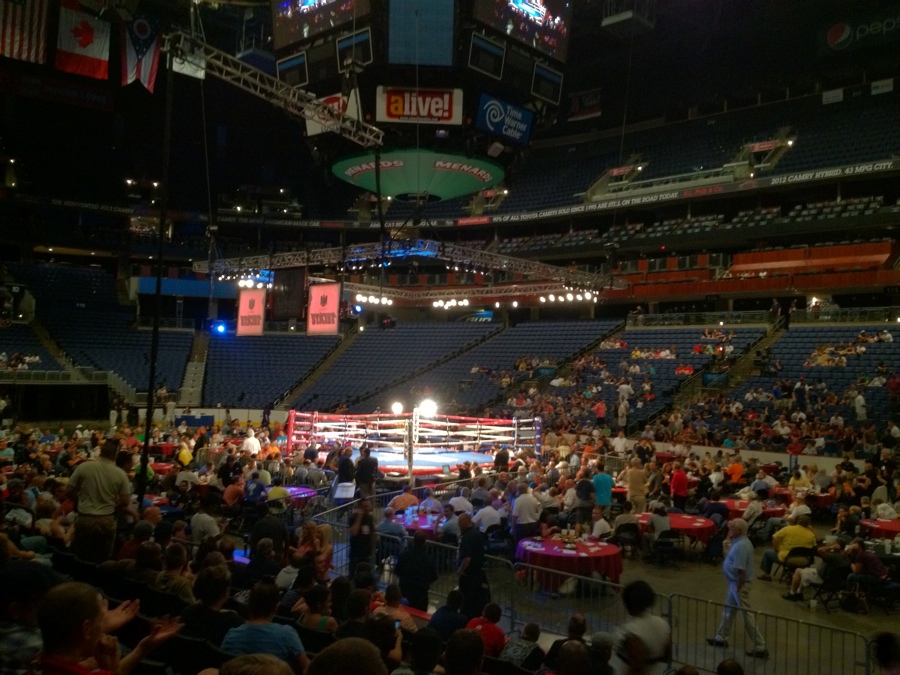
[184,456]
[278,496]
[792,536]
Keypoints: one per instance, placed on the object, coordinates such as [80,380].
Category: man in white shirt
[836,421]
[486,517]
[250,444]
[461,502]
[619,444]
[600,528]
[526,514]
[625,390]
[859,404]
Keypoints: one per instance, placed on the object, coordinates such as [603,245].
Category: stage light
[396,407]
[579,297]
[721,323]
[552,297]
[357,309]
[360,298]
[569,296]
[428,408]
[220,327]
[390,302]
[587,295]
[372,299]
[543,299]
[790,143]
[515,303]
[497,305]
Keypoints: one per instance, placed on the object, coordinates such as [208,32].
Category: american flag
[23,30]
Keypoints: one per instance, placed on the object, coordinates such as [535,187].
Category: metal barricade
[795,647]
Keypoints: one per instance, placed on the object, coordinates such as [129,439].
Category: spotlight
[552,297]
[569,296]
[428,408]
[587,295]
[372,299]
[579,297]
[220,327]
[497,305]
[396,407]
[360,298]
[543,299]
[515,303]
[357,309]
[258,285]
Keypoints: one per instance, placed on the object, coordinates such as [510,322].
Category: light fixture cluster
[372,300]
[363,265]
[571,296]
[448,304]
[466,267]
[250,278]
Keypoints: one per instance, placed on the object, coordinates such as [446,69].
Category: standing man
[472,582]
[362,535]
[251,443]
[738,569]
[678,486]
[346,472]
[526,515]
[103,490]
[859,404]
[366,472]
[603,487]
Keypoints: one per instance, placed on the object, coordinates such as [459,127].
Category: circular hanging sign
[421,174]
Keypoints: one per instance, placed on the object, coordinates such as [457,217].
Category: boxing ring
[412,444]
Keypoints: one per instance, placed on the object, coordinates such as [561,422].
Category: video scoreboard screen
[543,25]
[297,20]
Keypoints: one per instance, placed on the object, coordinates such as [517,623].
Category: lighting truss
[428,294]
[450,253]
[294,100]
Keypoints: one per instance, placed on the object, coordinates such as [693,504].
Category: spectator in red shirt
[486,626]
[678,486]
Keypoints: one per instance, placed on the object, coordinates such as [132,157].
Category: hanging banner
[251,311]
[322,310]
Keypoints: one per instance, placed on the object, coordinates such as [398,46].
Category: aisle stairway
[191,393]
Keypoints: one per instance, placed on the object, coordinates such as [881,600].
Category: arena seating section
[826,136]
[377,358]
[78,305]
[665,381]
[555,340]
[793,349]
[20,339]
[252,371]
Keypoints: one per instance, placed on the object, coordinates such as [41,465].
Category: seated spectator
[293,601]
[425,651]
[285,578]
[404,500]
[524,651]
[429,504]
[866,568]
[464,653]
[176,578]
[600,653]
[268,526]
[787,538]
[142,532]
[575,631]
[627,516]
[381,632]
[73,621]
[833,558]
[358,610]
[461,503]
[389,526]
[391,607]
[260,636]
[486,517]
[318,611]
[574,659]
[486,626]
[255,489]
[263,563]
[144,568]
[797,509]
[448,619]
[352,656]
[207,618]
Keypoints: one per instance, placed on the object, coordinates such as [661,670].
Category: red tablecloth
[881,529]
[620,494]
[419,523]
[664,457]
[166,449]
[157,500]
[162,468]
[692,527]
[781,492]
[736,508]
[300,495]
[587,558]
[823,500]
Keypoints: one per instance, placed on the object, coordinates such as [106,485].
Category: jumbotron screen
[297,20]
[543,25]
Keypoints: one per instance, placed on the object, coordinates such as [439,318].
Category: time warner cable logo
[494,113]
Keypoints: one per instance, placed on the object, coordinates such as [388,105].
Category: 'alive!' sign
[423,106]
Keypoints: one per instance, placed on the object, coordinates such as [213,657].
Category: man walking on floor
[738,569]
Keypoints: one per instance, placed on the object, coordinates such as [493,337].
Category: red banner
[322,312]
[763,146]
[251,311]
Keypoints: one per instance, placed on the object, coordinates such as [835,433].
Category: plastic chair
[830,589]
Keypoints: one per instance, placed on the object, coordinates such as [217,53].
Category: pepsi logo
[840,35]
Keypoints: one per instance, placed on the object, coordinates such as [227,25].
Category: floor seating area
[79,307]
[379,357]
[454,380]
[253,371]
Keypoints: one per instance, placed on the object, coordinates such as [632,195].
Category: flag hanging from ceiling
[140,52]
[23,30]
[83,44]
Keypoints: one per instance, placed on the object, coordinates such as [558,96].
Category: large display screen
[543,25]
[297,20]
[421,32]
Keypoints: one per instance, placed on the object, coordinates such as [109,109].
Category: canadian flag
[83,44]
